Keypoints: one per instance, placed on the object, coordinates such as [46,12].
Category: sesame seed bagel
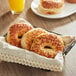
[28,37]
[51,6]
[16,32]
[47,44]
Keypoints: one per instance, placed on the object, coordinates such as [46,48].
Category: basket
[14,54]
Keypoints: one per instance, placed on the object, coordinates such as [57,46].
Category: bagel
[16,32]
[28,37]
[50,6]
[47,44]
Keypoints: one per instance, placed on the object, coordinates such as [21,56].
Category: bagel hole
[47,47]
[20,37]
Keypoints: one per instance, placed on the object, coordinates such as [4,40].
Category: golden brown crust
[71,1]
[15,32]
[28,37]
[51,6]
[47,45]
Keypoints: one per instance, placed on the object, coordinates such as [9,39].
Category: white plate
[68,10]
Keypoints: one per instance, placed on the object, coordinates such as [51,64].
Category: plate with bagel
[53,8]
[27,45]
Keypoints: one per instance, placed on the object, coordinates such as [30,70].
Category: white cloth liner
[14,54]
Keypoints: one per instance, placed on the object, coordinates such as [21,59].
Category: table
[64,26]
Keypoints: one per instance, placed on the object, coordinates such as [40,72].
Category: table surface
[64,26]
